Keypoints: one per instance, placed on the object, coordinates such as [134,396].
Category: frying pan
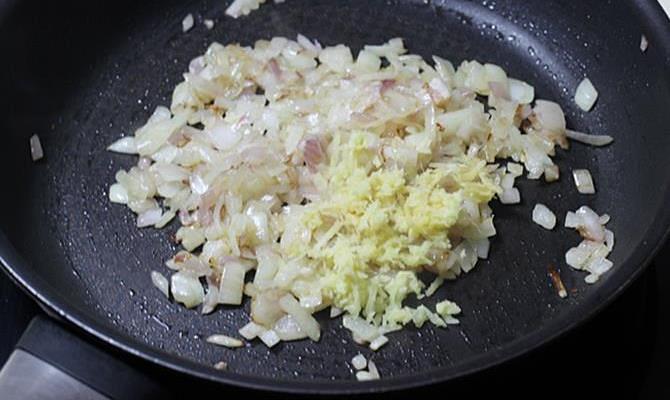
[83,74]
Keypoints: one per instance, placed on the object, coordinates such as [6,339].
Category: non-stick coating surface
[82,76]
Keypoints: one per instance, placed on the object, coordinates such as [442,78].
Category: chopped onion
[209,24]
[510,196]
[149,217]
[160,282]
[378,342]
[125,145]
[544,217]
[221,365]
[583,181]
[359,362]
[586,95]
[118,194]
[374,373]
[644,43]
[232,283]
[269,338]
[515,169]
[364,376]
[186,289]
[265,307]
[593,140]
[549,115]
[302,317]
[251,330]
[288,329]
[225,341]
[520,91]
[364,330]
[551,173]
[187,23]
[243,7]
[211,297]
[36,151]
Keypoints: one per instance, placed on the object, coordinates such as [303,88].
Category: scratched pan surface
[81,75]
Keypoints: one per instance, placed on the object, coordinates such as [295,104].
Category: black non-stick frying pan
[81,74]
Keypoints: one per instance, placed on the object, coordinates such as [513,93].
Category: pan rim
[657,234]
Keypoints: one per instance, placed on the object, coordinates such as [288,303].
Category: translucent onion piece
[251,330]
[269,338]
[124,145]
[302,317]
[160,282]
[225,341]
[232,283]
[187,23]
[586,95]
[544,217]
[359,362]
[593,140]
[36,151]
[583,181]
[187,289]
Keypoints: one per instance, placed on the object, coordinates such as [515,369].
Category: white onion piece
[572,220]
[359,362]
[288,329]
[211,298]
[209,24]
[590,228]
[515,169]
[593,140]
[361,328]
[551,173]
[586,95]
[160,282]
[265,308]
[225,341]
[118,194]
[363,376]
[187,23]
[149,217]
[251,330]
[549,115]
[583,181]
[544,217]
[644,43]
[482,246]
[165,219]
[125,145]
[36,151]
[269,338]
[378,342]
[303,318]
[374,372]
[232,283]
[609,239]
[520,91]
[510,196]
[243,7]
[187,289]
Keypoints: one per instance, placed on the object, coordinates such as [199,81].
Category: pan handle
[49,362]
